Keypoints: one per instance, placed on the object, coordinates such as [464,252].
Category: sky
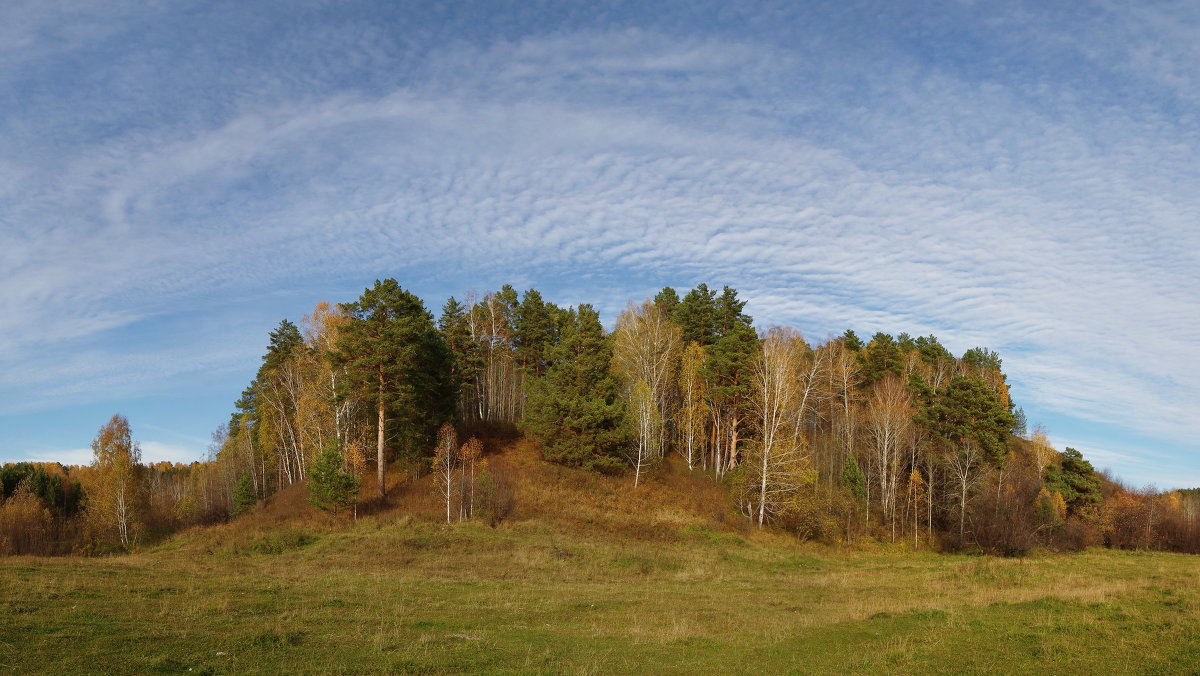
[177,177]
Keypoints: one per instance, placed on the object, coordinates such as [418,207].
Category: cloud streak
[878,189]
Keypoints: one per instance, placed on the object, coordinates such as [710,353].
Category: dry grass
[589,577]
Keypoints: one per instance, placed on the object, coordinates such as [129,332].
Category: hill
[585,575]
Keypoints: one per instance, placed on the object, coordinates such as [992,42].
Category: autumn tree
[113,502]
[646,348]
[446,462]
[395,359]
[693,412]
[888,421]
[470,455]
[777,461]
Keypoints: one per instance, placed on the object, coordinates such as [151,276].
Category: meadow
[407,597]
[586,576]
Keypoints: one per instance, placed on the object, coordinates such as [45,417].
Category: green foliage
[982,358]
[535,331]
[851,340]
[931,350]
[880,357]
[243,495]
[1076,480]
[1020,426]
[696,314]
[284,340]
[394,355]
[667,300]
[967,411]
[466,360]
[575,410]
[47,487]
[728,366]
[330,487]
[853,479]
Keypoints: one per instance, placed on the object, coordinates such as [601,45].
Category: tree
[728,373]
[778,461]
[971,422]
[466,360]
[1020,423]
[470,455]
[1076,480]
[646,349]
[696,315]
[575,411]
[330,486]
[693,413]
[243,495]
[888,421]
[647,426]
[446,463]
[113,500]
[667,300]
[880,357]
[534,332]
[395,358]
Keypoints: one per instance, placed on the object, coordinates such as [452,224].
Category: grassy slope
[652,582]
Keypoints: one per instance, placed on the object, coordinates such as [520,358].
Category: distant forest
[891,438]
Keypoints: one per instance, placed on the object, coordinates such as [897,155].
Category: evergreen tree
[667,300]
[967,411]
[880,357]
[243,495]
[1020,426]
[728,373]
[466,360]
[330,486]
[398,362]
[853,479]
[575,410]
[535,331]
[696,314]
[284,340]
[851,340]
[1076,480]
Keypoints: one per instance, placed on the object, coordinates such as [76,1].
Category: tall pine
[396,360]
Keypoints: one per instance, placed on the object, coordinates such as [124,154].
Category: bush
[496,491]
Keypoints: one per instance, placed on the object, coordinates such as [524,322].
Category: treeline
[891,438]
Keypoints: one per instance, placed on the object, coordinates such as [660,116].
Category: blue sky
[177,177]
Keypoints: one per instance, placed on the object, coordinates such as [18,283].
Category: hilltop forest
[890,438]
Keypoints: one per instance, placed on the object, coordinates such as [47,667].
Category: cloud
[879,188]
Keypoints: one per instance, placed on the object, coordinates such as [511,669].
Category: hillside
[585,576]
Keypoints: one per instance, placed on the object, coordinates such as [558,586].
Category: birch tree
[112,500]
[778,460]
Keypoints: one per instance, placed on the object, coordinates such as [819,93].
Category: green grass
[405,597]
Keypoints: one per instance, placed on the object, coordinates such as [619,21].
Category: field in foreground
[392,595]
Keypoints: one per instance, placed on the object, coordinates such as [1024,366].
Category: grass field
[395,596]
[588,576]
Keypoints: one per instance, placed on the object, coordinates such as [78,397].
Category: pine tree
[696,315]
[575,410]
[466,359]
[243,495]
[396,359]
[330,486]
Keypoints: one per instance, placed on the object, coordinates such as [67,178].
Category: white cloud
[1030,215]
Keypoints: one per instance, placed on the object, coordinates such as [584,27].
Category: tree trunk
[381,460]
